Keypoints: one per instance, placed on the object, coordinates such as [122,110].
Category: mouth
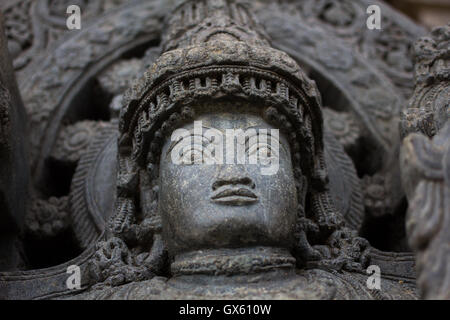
[234,196]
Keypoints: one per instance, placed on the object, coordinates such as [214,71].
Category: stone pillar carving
[425,163]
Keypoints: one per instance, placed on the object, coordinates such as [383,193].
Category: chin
[234,232]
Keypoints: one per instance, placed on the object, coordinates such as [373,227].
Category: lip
[234,196]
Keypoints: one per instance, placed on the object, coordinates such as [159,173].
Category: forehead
[230,115]
[222,117]
[222,120]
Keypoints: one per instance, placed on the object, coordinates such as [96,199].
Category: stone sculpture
[425,163]
[314,98]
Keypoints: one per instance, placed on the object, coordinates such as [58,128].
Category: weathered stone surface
[142,227]
[426,179]
[426,164]
[224,219]
[14,173]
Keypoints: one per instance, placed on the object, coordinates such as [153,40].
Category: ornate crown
[216,49]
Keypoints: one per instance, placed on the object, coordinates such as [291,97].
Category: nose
[232,177]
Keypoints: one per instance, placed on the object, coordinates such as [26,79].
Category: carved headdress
[215,49]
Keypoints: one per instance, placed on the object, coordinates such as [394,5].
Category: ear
[148,189]
[302,189]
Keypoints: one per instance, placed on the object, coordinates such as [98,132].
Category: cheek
[280,194]
[280,191]
[186,184]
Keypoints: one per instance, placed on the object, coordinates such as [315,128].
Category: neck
[228,262]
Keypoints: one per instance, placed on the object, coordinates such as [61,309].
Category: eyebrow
[191,134]
[269,134]
[174,143]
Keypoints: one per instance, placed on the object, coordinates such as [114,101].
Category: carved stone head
[209,200]
[226,77]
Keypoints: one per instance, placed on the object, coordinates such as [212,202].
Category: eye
[210,155]
[198,154]
[263,152]
[192,155]
[192,149]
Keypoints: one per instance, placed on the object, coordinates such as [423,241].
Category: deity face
[208,200]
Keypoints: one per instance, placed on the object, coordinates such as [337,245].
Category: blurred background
[429,13]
